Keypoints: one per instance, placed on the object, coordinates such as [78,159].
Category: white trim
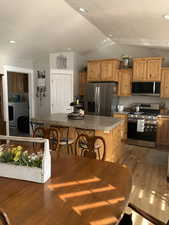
[5,91]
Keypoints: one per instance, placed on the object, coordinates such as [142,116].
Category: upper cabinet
[93,71]
[147,69]
[124,84]
[165,83]
[18,83]
[103,70]
[82,83]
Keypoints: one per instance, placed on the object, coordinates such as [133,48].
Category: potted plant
[17,162]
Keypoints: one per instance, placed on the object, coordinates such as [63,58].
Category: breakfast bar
[107,127]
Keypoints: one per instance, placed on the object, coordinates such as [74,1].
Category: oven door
[149,133]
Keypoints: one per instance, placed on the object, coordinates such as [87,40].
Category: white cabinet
[61,93]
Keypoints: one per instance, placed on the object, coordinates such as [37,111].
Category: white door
[61,93]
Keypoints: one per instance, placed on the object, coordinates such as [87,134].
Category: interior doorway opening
[18,103]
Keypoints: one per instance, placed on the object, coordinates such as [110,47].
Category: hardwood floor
[150,190]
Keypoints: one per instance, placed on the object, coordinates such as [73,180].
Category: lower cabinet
[162,131]
[124,126]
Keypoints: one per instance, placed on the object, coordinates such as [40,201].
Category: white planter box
[39,175]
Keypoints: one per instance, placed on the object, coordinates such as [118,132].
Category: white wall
[116,51]
[10,61]
[126,101]
[79,63]
[42,107]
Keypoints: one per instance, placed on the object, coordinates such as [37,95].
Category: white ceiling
[130,22]
[41,27]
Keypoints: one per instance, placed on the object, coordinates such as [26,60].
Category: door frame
[17,69]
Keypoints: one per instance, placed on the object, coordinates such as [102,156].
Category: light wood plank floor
[150,189]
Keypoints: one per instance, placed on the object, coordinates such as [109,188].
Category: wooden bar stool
[66,141]
[39,132]
[90,146]
[53,135]
[4,220]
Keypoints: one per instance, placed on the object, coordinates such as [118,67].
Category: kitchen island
[111,129]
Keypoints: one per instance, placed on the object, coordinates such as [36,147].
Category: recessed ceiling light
[166,17]
[83,10]
[12,42]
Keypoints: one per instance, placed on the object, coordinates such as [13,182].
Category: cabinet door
[124,85]
[125,125]
[139,70]
[82,83]
[154,70]
[109,70]
[165,83]
[93,71]
[20,83]
[163,132]
[14,82]
[106,71]
[61,93]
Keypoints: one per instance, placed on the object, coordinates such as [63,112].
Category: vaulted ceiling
[41,27]
[130,22]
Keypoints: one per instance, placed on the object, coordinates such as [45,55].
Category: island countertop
[90,122]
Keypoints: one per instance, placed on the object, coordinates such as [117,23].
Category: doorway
[29,80]
[18,104]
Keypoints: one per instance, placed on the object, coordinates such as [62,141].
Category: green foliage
[17,156]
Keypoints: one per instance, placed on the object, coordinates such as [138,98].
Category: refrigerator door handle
[98,101]
[96,105]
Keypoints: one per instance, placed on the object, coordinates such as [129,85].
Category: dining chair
[146,215]
[90,146]
[67,139]
[4,220]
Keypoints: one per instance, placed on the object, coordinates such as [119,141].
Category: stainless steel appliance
[148,114]
[146,88]
[101,98]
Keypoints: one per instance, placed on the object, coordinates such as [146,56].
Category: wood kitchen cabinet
[82,83]
[109,70]
[124,128]
[124,82]
[93,71]
[147,69]
[103,70]
[18,82]
[164,93]
[162,131]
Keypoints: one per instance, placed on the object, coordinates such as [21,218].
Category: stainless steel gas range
[142,125]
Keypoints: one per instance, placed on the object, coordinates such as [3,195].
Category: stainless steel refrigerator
[101,98]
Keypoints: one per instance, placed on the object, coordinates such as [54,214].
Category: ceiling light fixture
[69,49]
[12,42]
[83,10]
[110,35]
[166,17]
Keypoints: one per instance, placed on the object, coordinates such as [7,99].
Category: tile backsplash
[142,99]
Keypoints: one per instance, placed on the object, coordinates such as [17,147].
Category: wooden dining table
[81,191]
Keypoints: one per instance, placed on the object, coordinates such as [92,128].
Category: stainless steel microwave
[146,88]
